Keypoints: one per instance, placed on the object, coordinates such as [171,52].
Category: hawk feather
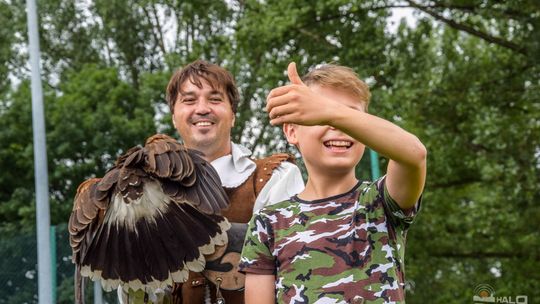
[150,220]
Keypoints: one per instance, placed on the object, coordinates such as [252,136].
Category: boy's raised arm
[260,288]
[297,103]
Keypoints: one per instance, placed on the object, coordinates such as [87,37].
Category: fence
[18,269]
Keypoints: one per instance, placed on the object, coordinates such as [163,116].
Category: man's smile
[203,123]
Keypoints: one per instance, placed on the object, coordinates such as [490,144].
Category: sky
[398,14]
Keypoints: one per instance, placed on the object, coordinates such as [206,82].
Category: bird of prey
[152,218]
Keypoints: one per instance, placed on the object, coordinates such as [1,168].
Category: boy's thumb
[293,74]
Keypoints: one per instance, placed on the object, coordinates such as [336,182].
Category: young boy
[340,240]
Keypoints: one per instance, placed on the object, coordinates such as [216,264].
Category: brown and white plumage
[150,219]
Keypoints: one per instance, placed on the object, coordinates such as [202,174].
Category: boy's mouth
[338,145]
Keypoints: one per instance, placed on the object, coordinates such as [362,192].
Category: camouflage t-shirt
[342,249]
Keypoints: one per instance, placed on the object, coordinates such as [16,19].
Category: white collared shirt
[237,167]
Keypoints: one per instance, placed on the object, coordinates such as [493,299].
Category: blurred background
[463,75]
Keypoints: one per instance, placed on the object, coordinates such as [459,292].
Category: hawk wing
[150,219]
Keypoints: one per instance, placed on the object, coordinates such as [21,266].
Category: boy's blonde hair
[339,77]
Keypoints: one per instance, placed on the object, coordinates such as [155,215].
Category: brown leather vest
[240,210]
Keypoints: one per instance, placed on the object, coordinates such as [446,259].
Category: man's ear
[233,120]
[290,133]
[173,122]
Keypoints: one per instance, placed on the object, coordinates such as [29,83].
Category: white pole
[41,179]
[98,292]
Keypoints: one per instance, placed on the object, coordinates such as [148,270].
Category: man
[203,99]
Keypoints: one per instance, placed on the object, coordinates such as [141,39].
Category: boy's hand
[297,103]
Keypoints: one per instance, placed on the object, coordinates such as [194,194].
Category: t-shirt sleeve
[398,217]
[257,254]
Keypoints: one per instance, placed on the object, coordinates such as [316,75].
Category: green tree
[464,77]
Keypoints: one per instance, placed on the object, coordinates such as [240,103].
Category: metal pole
[375,170]
[40,162]
[98,292]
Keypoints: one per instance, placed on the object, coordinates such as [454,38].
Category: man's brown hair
[339,77]
[216,76]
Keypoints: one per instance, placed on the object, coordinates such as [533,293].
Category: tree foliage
[464,77]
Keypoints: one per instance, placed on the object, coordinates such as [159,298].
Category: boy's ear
[290,133]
